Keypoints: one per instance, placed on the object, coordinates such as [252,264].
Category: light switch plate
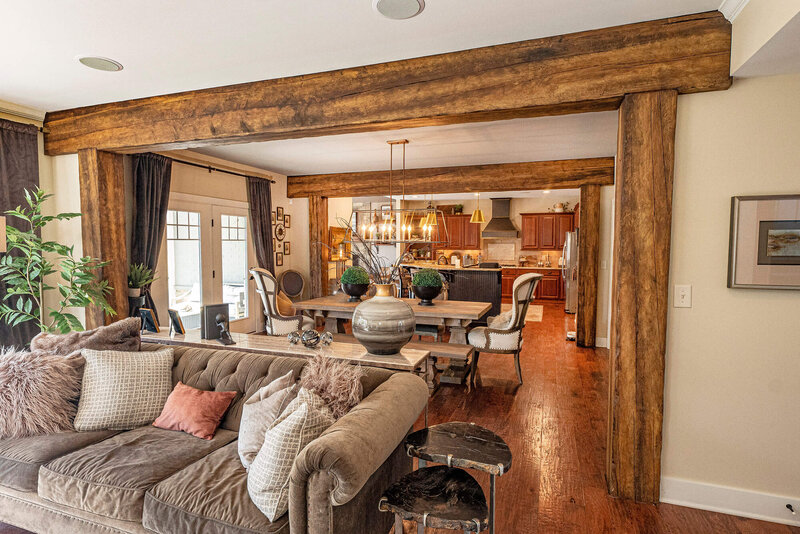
[682,297]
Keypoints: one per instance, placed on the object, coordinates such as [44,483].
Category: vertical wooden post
[588,252]
[643,216]
[102,190]
[318,235]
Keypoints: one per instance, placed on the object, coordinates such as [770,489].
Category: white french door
[205,258]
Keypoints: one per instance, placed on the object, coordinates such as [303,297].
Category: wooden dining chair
[503,335]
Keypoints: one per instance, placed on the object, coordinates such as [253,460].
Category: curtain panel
[152,175]
[259,196]
[19,170]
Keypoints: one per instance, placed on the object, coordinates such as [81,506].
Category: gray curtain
[152,175]
[259,196]
[19,170]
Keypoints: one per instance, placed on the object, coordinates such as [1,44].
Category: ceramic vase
[383,324]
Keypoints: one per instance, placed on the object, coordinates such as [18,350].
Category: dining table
[456,315]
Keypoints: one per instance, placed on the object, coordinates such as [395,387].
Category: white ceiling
[584,135]
[180,45]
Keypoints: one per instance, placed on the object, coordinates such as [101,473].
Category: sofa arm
[355,447]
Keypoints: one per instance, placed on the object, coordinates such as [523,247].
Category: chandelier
[399,225]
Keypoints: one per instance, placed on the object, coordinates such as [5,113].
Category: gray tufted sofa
[154,480]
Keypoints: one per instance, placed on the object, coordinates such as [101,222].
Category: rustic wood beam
[643,215]
[588,254]
[579,72]
[102,189]
[560,174]
[318,238]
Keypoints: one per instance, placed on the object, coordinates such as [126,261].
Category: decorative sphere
[294,337]
[326,338]
[310,338]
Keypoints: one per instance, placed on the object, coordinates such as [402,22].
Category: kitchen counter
[438,267]
[551,268]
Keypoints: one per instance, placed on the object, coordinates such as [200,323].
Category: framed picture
[274,218]
[274,244]
[287,221]
[287,248]
[149,323]
[764,248]
[175,323]
[279,212]
[278,259]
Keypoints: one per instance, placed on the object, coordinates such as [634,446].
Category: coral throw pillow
[194,411]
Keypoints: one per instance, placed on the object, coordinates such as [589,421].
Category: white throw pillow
[123,390]
[260,411]
[303,421]
[502,321]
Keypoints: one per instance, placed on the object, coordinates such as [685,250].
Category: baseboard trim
[601,342]
[727,500]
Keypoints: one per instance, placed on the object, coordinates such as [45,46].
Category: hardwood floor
[555,424]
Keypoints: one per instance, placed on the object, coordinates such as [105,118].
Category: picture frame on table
[764,248]
[279,259]
[287,221]
[149,323]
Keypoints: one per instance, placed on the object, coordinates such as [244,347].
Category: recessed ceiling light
[101,63]
[398,9]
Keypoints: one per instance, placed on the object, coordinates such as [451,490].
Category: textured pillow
[338,383]
[285,305]
[123,390]
[123,335]
[502,321]
[303,421]
[194,411]
[36,393]
[260,411]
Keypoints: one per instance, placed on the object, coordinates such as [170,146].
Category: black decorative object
[326,338]
[294,337]
[224,334]
[310,338]
[355,291]
[426,294]
[208,322]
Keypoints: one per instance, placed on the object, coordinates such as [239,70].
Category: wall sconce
[2,233]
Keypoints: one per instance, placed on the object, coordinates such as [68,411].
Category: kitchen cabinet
[550,287]
[545,231]
[563,225]
[462,233]
[530,231]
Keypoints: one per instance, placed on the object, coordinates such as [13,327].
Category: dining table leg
[458,334]
[334,325]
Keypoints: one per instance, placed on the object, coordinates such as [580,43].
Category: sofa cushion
[110,478]
[209,496]
[20,458]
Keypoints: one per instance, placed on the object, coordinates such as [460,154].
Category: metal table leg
[491,506]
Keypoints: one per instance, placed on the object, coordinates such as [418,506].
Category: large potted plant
[426,284]
[35,268]
[139,277]
[355,283]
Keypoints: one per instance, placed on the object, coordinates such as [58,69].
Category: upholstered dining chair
[276,324]
[292,283]
[503,335]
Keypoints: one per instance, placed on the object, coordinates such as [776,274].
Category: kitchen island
[474,284]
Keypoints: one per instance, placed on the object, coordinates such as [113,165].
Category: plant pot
[355,291]
[426,294]
[134,292]
[383,324]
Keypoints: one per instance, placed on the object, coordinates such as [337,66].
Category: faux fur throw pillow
[338,383]
[36,393]
[123,336]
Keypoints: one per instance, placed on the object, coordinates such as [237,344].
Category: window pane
[194,218]
[171,217]
[184,273]
[242,235]
[225,220]
[242,223]
[183,217]
[234,271]
[194,232]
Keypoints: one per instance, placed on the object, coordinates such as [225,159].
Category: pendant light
[477,215]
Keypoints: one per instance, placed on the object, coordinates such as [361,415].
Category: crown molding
[732,8]
[24,112]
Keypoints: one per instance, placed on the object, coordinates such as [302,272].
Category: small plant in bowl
[139,277]
[426,284]
[355,282]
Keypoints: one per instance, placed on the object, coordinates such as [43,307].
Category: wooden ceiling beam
[559,174]
[579,72]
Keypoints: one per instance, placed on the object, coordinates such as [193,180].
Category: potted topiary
[355,282]
[426,284]
[139,277]
[458,209]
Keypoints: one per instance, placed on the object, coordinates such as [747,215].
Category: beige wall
[757,23]
[732,399]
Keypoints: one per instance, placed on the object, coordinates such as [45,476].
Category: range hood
[500,226]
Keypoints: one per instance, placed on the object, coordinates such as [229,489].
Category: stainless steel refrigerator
[570,272]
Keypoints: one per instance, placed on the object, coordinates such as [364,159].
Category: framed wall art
[278,259]
[274,218]
[765,242]
[287,248]
[279,213]
[287,221]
